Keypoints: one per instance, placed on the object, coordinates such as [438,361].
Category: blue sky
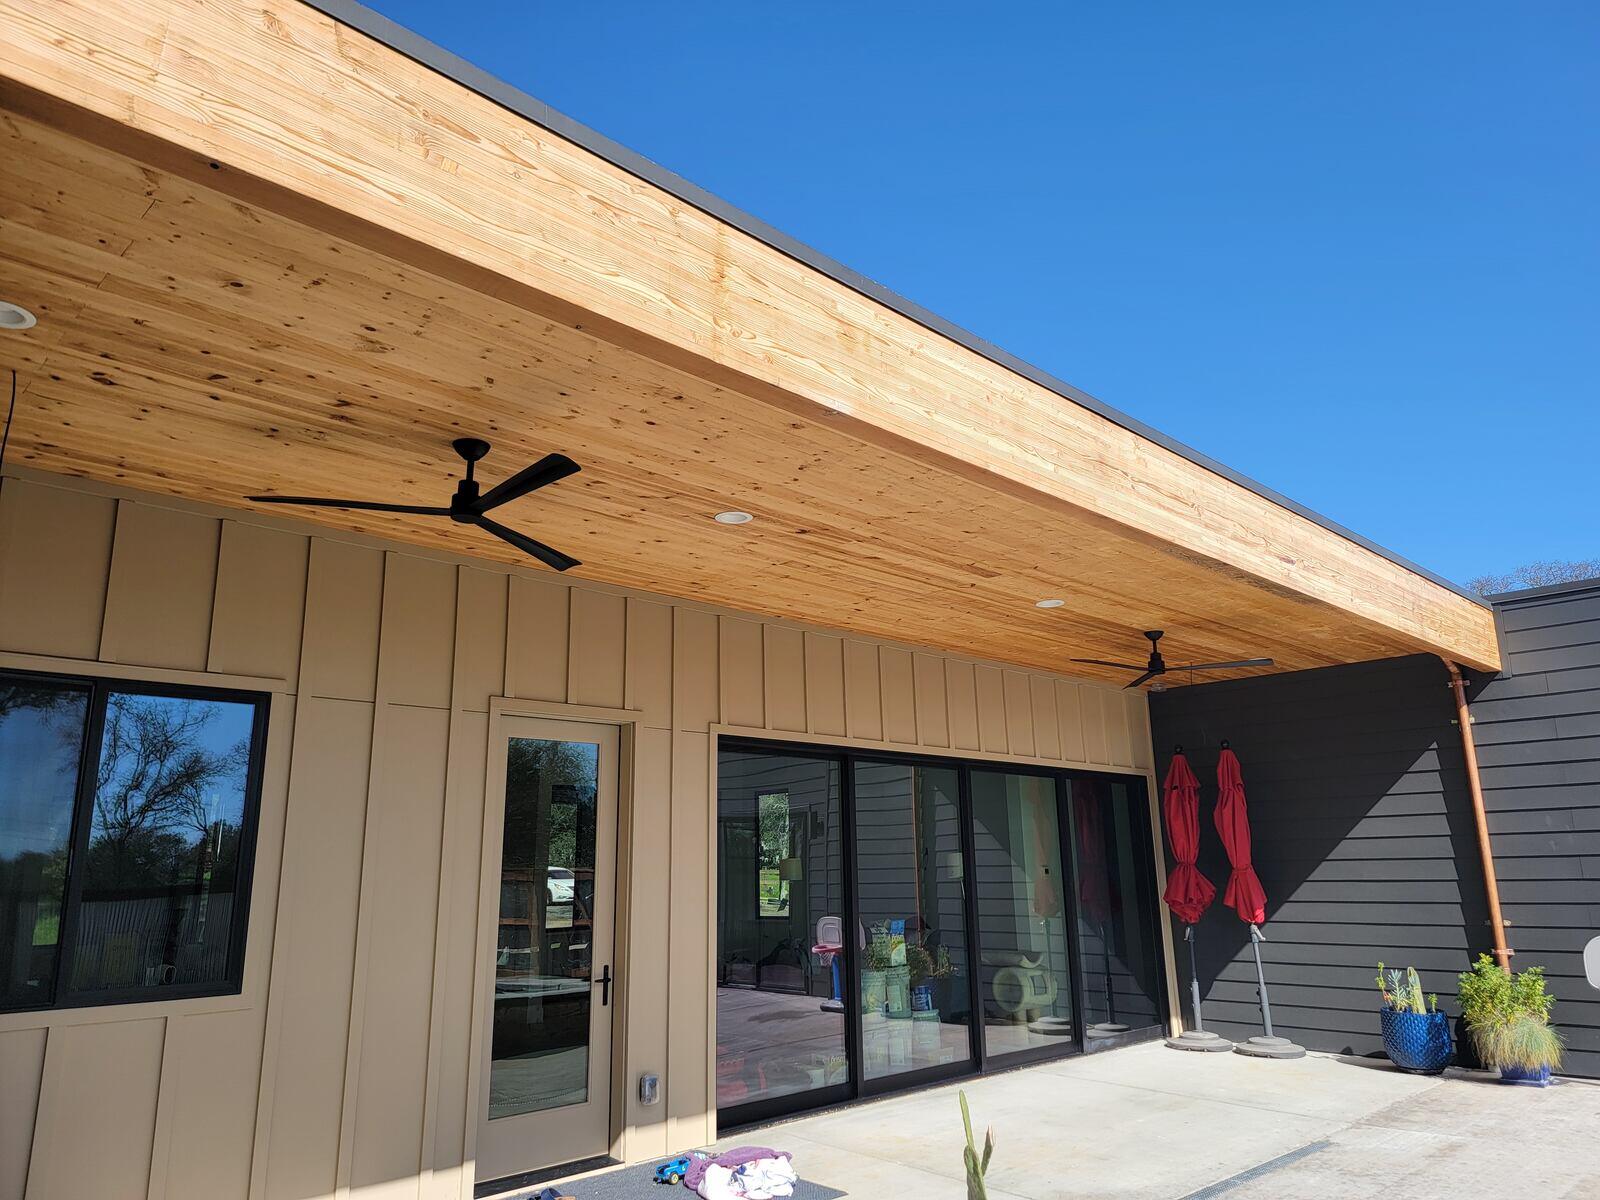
[1350,250]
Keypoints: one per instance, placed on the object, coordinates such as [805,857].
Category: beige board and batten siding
[344,1066]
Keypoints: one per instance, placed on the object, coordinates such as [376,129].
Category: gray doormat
[638,1183]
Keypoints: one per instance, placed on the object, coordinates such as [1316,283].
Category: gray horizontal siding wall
[1364,837]
[1538,733]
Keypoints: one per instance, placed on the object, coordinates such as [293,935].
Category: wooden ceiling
[213,331]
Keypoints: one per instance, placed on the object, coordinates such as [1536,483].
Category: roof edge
[1501,599]
[436,58]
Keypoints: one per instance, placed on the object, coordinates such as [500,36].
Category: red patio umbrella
[1189,893]
[1246,896]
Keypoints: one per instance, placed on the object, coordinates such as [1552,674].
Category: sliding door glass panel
[1025,982]
[162,869]
[1117,930]
[544,961]
[41,745]
[780,920]
[910,889]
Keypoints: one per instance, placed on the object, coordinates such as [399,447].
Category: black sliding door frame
[980,1060]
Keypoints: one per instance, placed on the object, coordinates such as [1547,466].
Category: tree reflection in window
[161,870]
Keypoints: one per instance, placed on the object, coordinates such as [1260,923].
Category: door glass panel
[1112,862]
[162,868]
[41,745]
[1023,973]
[910,886]
[780,917]
[539,1057]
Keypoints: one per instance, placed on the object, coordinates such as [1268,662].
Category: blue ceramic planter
[1539,1078]
[1418,1042]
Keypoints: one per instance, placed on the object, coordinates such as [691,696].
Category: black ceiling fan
[1156,665]
[467,507]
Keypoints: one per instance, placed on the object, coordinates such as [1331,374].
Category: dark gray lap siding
[1364,833]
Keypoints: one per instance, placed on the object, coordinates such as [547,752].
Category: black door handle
[605,986]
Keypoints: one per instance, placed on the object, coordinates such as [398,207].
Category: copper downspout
[1469,751]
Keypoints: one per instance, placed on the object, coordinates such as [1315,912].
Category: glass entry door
[548,908]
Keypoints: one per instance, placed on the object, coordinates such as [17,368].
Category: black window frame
[99,688]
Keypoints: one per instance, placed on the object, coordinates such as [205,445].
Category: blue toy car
[675,1170]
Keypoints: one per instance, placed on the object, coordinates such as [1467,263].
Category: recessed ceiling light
[1048,603]
[15,317]
[733,517]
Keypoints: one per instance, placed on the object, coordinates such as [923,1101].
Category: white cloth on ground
[762,1179]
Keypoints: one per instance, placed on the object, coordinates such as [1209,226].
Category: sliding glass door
[1026,982]
[1118,930]
[781,1032]
[914,983]
[885,920]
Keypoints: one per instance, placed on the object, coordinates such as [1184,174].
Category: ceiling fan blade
[547,470]
[1221,666]
[545,554]
[1100,662]
[1142,678]
[365,505]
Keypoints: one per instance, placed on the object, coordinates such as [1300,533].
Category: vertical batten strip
[166,1091]
[358,981]
[428,1157]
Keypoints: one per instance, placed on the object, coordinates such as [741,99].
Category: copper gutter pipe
[1469,751]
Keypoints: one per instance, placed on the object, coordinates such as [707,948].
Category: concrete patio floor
[1148,1123]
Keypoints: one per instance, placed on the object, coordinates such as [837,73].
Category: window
[127,824]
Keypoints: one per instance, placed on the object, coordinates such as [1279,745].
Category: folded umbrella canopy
[1245,895]
[1189,893]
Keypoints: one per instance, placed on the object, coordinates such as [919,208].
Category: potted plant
[1508,1015]
[876,960]
[1416,1035]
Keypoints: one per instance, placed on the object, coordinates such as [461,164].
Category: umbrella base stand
[1202,1040]
[1105,1029]
[1270,1047]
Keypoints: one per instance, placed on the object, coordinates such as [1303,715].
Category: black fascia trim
[452,66]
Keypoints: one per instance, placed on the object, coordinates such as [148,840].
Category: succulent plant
[977,1165]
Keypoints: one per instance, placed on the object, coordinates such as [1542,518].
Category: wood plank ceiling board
[365,276]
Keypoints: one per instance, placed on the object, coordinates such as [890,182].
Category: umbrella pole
[1269,1045]
[1105,958]
[1261,982]
[1194,979]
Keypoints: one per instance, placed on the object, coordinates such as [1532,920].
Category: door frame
[626,721]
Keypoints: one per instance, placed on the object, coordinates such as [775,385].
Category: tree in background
[1536,574]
